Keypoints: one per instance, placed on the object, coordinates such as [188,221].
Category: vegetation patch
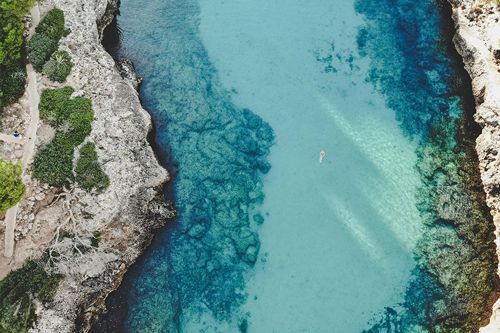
[18,292]
[96,239]
[12,69]
[46,38]
[12,189]
[52,25]
[58,67]
[54,163]
[72,118]
[40,48]
[89,174]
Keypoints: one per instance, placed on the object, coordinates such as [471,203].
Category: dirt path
[29,141]
[30,135]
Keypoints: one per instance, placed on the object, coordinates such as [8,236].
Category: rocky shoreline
[124,216]
[127,214]
[477,26]
[477,39]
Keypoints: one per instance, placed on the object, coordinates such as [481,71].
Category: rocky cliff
[118,222]
[477,39]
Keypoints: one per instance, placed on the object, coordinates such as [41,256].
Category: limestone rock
[126,214]
[477,39]
[127,71]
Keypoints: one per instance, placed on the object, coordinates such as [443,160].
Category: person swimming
[322,155]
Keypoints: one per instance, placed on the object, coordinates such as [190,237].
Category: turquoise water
[244,96]
[339,237]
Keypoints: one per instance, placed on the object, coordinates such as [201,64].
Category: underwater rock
[247,244]
[424,86]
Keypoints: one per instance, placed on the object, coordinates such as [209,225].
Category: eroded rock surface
[98,235]
[477,39]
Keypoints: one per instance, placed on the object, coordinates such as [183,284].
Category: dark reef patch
[216,154]
[422,76]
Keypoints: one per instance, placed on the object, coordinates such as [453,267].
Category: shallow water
[237,87]
[339,237]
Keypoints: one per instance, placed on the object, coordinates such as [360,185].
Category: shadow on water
[112,37]
[112,43]
[117,304]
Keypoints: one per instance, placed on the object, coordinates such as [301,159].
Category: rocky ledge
[122,219]
[477,39]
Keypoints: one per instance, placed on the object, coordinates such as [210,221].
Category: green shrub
[17,7]
[11,38]
[18,290]
[12,83]
[72,119]
[58,67]
[89,174]
[40,48]
[80,122]
[53,164]
[12,78]
[46,39]
[73,116]
[58,109]
[12,189]
[54,107]
[96,238]
[52,25]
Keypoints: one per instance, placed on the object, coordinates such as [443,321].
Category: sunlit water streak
[338,239]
